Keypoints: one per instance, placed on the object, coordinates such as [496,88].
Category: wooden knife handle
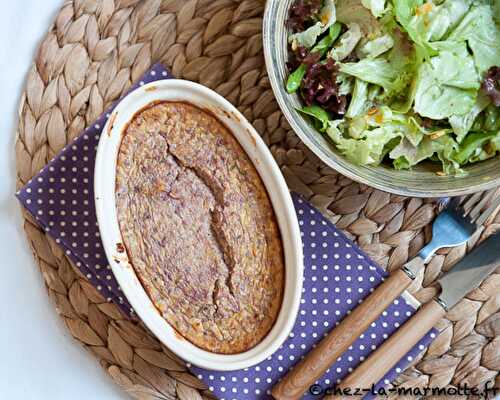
[374,368]
[313,366]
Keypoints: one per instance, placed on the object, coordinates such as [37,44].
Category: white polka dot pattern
[337,274]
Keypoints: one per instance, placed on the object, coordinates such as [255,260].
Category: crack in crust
[218,233]
[199,227]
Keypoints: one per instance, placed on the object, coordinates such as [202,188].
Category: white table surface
[39,358]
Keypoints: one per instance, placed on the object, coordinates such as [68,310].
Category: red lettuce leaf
[491,85]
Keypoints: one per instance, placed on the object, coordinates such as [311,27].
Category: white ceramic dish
[104,187]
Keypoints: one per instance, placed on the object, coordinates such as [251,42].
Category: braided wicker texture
[92,53]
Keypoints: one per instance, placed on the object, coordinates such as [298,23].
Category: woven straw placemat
[92,53]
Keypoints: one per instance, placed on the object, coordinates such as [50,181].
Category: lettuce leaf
[358,104]
[427,21]
[489,150]
[447,84]
[491,120]
[446,155]
[394,72]
[477,146]
[377,7]
[406,155]
[356,127]
[432,22]
[404,11]
[328,14]
[455,67]
[368,150]
[345,82]
[307,38]
[377,71]
[482,34]
[327,18]
[462,124]
[367,139]
[436,101]
[374,48]
[472,143]
[374,92]
[349,11]
[347,42]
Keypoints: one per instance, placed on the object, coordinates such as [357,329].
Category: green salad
[400,81]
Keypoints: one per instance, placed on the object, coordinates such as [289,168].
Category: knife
[460,280]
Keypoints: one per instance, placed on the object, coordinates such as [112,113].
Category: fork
[458,222]
[455,225]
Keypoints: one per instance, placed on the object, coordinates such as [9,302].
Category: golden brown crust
[199,227]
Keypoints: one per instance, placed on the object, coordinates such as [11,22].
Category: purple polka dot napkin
[337,274]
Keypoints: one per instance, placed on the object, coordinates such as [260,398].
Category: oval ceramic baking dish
[259,154]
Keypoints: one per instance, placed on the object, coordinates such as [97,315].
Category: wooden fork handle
[375,367]
[313,366]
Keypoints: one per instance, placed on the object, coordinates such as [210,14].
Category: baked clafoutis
[199,228]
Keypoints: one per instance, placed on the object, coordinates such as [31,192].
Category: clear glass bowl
[421,181]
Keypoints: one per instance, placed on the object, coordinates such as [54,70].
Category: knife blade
[468,273]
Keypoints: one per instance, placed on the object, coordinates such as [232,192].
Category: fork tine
[479,206]
[454,202]
[490,210]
